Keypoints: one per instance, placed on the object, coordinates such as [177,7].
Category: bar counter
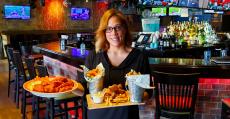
[73,57]
[213,85]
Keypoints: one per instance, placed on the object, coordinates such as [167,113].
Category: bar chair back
[9,53]
[30,63]
[26,47]
[20,80]
[59,107]
[175,94]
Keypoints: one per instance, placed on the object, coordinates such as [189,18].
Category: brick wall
[210,93]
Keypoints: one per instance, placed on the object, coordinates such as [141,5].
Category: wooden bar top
[73,57]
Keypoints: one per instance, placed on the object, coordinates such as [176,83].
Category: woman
[113,49]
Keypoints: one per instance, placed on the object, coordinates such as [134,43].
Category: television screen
[215,4]
[158,11]
[189,3]
[183,3]
[174,11]
[226,5]
[160,2]
[16,12]
[80,13]
[193,3]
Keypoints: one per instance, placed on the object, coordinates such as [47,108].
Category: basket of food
[137,83]
[95,78]
[52,87]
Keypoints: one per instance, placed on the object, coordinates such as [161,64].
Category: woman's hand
[79,91]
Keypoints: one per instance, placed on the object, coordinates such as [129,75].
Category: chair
[175,94]
[59,107]
[30,63]
[9,54]
[225,109]
[26,47]
[21,78]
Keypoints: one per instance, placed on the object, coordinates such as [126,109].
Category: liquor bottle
[82,46]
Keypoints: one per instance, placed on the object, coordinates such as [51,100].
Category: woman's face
[115,32]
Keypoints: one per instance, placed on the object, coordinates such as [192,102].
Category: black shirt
[137,61]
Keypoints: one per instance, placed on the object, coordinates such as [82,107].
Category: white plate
[28,86]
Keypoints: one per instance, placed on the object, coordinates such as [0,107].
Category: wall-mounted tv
[189,3]
[174,11]
[226,5]
[79,13]
[183,3]
[215,4]
[160,2]
[16,12]
[159,11]
[165,2]
[193,3]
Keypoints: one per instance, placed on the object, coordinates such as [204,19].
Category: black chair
[175,94]
[225,109]
[9,53]
[26,47]
[21,78]
[30,63]
[59,107]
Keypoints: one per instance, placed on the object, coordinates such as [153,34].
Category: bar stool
[36,101]
[59,107]
[175,94]
[225,110]
[26,50]
[9,53]
[20,80]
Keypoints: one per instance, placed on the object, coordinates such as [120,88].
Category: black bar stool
[9,53]
[59,107]
[225,110]
[175,94]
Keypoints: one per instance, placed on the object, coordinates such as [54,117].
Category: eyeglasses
[116,28]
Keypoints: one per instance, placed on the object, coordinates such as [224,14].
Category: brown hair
[101,42]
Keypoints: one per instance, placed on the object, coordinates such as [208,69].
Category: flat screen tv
[226,5]
[78,13]
[159,11]
[160,2]
[165,2]
[174,11]
[193,3]
[189,3]
[183,3]
[215,4]
[16,12]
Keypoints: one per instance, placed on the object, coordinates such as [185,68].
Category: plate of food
[51,87]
